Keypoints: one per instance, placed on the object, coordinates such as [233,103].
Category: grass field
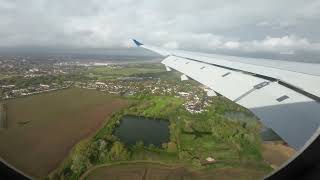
[43,128]
[5,76]
[130,70]
[235,146]
[141,171]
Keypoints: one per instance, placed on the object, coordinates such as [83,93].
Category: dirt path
[160,171]
[276,153]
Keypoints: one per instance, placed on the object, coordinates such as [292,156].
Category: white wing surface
[284,95]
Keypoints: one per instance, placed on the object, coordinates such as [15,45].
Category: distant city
[24,76]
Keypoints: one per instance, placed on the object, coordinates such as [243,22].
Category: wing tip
[137,42]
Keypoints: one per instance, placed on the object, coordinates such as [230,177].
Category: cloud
[276,24]
[232,45]
[284,45]
[171,45]
[208,25]
[287,44]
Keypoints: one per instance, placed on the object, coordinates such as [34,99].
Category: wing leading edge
[284,97]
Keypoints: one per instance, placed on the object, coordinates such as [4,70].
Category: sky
[265,27]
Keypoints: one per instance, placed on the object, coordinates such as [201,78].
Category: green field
[43,128]
[236,146]
[6,76]
[160,171]
[120,71]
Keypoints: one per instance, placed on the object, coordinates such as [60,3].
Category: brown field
[276,153]
[42,129]
[144,170]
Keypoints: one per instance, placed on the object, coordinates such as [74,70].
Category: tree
[118,152]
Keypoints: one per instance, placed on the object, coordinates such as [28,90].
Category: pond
[150,131]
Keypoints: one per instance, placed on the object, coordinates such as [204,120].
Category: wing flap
[290,114]
[284,95]
[293,116]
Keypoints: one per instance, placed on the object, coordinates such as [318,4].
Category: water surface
[151,131]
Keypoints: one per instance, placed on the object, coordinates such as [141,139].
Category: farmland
[68,134]
[275,153]
[235,146]
[147,170]
[42,129]
[109,72]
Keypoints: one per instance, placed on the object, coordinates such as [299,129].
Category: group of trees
[241,139]
[92,152]
[104,147]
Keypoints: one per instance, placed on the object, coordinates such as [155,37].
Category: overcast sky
[241,26]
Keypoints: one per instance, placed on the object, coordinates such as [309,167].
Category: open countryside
[67,126]
[203,141]
[43,128]
[148,170]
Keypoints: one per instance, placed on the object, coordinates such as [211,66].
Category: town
[21,77]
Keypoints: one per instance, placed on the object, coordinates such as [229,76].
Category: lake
[150,131]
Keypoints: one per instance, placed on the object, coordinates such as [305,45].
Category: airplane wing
[284,95]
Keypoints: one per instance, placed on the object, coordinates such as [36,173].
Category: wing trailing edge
[284,95]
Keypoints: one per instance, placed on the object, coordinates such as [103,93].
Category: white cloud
[208,25]
[5,4]
[290,52]
[287,43]
[171,45]
[232,45]
[264,24]
[276,24]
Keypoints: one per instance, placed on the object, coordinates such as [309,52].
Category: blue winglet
[137,42]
